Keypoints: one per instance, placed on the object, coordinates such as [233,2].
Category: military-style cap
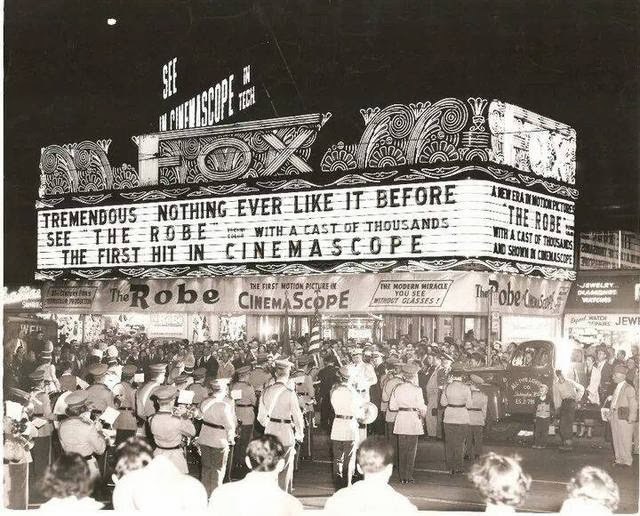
[243,369]
[18,395]
[199,373]
[620,369]
[76,399]
[157,368]
[166,392]
[476,379]
[129,370]
[181,379]
[98,369]
[37,375]
[410,369]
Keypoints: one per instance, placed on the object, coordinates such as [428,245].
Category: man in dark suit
[328,377]
[208,361]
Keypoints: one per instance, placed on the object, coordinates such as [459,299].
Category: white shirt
[369,497]
[573,506]
[257,493]
[616,395]
[71,504]
[160,487]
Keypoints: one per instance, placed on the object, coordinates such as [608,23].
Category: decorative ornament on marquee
[82,168]
[244,150]
[453,130]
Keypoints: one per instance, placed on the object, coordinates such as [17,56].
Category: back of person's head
[67,476]
[374,456]
[132,454]
[265,454]
[500,479]
[594,484]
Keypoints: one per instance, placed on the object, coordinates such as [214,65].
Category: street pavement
[436,490]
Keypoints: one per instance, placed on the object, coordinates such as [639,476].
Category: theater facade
[445,217]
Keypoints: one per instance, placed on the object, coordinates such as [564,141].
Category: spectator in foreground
[158,486]
[591,491]
[132,454]
[67,483]
[258,492]
[373,495]
[501,481]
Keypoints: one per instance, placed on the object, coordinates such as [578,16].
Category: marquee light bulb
[111,21]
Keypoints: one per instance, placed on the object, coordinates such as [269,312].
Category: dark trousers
[393,441]
[344,462]
[541,431]
[567,418]
[41,455]
[407,447]
[454,440]
[475,438]
[214,465]
[240,452]
[16,486]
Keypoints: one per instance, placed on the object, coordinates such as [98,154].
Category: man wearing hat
[260,376]
[364,374]
[408,402]
[200,391]
[280,415]
[168,430]
[114,371]
[42,420]
[393,380]
[477,417]
[125,399]
[348,407]
[245,412]
[144,403]
[78,434]
[99,396]
[456,398]
[217,434]
[623,417]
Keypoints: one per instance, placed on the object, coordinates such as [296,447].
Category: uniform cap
[476,379]
[410,369]
[181,379]
[76,399]
[199,373]
[620,369]
[166,392]
[18,395]
[129,370]
[98,369]
[243,369]
[158,368]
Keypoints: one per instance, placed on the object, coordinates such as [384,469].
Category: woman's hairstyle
[595,484]
[500,479]
[374,454]
[67,476]
[132,454]
[265,452]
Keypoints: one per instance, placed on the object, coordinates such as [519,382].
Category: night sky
[70,77]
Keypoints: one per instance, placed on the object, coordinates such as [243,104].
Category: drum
[370,414]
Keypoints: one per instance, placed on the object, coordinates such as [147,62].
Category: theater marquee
[471,218]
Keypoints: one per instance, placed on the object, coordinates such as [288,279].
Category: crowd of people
[142,414]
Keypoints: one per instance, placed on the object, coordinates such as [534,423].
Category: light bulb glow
[111,21]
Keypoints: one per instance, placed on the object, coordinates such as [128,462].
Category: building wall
[609,250]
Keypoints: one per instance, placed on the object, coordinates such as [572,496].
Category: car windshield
[532,355]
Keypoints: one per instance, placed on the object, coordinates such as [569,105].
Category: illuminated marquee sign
[470,218]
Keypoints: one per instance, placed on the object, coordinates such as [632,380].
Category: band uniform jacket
[126,395]
[144,404]
[258,378]
[80,436]
[245,405]
[456,397]
[347,404]
[306,393]
[167,431]
[217,412]
[478,408]
[280,402]
[99,397]
[42,409]
[365,377]
[200,392]
[389,386]
[408,402]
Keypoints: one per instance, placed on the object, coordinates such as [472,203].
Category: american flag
[314,335]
